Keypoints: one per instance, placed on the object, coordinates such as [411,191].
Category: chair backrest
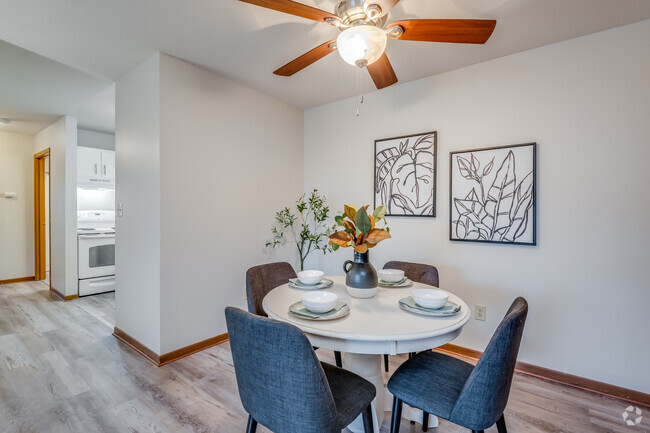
[261,279]
[485,394]
[281,382]
[420,273]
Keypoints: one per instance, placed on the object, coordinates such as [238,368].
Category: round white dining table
[374,327]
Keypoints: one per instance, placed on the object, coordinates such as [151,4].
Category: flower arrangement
[360,229]
[308,230]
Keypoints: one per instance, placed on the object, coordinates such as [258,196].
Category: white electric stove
[96,251]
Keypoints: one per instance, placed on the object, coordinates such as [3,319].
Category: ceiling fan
[364,34]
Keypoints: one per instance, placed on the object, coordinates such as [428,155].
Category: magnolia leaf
[361,248]
[377,235]
[341,238]
[363,222]
[353,206]
[335,247]
[339,220]
[361,239]
[372,222]
[379,212]
[350,226]
[350,212]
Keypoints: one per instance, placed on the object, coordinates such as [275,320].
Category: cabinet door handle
[95,168]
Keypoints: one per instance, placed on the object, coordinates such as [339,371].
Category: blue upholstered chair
[472,397]
[284,387]
[261,279]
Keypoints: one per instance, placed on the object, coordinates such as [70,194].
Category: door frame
[39,216]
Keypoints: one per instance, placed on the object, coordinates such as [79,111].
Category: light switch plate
[479,312]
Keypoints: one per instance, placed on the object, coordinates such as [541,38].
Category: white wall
[203,164]
[61,138]
[16,214]
[95,199]
[230,158]
[97,140]
[586,102]
[137,233]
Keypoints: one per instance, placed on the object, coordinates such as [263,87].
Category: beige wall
[586,103]
[16,214]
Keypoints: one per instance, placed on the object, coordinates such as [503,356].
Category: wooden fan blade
[293,8]
[455,31]
[306,59]
[382,72]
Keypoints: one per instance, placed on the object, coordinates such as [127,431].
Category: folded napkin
[386,283]
[300,311]
[449,309]
[323,283]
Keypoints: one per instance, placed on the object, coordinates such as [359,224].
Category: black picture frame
[510,181]
[406,202]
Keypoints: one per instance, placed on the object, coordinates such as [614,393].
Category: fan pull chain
[359,89]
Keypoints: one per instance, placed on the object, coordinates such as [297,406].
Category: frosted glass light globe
[361,45]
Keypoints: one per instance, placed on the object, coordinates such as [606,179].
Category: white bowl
[390,275]
[319,302]
[310,277]
[430,298]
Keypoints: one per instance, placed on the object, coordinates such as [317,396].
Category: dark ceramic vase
[361,277]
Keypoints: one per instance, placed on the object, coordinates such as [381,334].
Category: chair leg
[396,417]
[366,415]
[339,361]
[386,363]
[501,425]
[425,421]
[252,425]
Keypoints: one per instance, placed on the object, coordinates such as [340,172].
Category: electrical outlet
[244,294]
[479,312]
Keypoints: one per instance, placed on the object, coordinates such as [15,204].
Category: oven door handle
[96,236]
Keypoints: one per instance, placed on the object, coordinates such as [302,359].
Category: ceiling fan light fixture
[361,45]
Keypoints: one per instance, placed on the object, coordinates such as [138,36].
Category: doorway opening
[42,216]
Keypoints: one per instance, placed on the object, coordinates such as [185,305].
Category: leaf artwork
[405,175]
[499,205]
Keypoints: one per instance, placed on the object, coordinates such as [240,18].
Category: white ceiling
[246,43]
[35,91]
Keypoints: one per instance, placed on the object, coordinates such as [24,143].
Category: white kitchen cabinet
[95,167]
[89,161]
[108,164]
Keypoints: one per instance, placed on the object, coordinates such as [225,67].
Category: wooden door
[40,208]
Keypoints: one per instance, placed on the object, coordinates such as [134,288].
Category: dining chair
[472,397]
[260,280]
[418,272]
[291,391]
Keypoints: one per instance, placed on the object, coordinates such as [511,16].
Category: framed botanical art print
[492,195]
[405,175]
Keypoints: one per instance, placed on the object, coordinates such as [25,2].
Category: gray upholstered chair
[472,397]
[261,279]
[284,387]
[425,274]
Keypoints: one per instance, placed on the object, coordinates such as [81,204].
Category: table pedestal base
[368,367]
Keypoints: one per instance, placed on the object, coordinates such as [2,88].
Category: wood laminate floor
[61,370]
